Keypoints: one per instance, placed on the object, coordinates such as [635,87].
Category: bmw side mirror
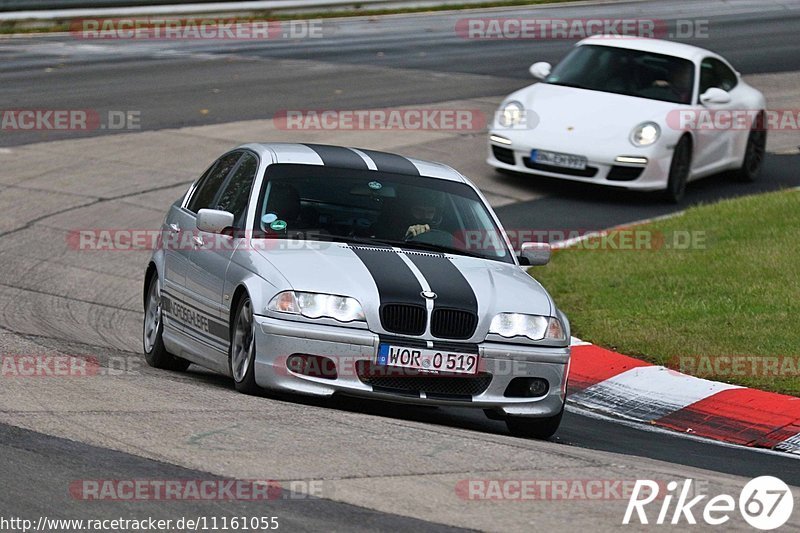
[535,254]
[541,69]
[214,220]
[715,95]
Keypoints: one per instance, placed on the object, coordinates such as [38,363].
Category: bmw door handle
[174,228]
[198,241]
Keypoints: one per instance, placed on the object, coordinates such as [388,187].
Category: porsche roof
[657,46]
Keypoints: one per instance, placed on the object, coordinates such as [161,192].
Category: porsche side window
[715,73]
[727,78]
[210,184]
[708,78]
[235,195]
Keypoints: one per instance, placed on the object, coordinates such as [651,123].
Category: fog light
[630,160]
[527,388]
[498,139]
[315,366]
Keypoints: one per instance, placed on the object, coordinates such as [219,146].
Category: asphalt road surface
[357,64]
[386,462]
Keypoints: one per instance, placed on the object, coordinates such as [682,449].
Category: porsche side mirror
[535,254]
[213,220]
[716,96]
[541,70]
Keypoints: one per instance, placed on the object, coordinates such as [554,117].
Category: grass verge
[715,294]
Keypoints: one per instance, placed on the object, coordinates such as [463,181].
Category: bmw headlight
[316,305]
[534,327]
[645,134]
[510,114]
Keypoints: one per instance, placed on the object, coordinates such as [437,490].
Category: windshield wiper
[414,245]
[430,247]
[567,84]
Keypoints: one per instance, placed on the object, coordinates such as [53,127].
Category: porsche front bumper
[603,167]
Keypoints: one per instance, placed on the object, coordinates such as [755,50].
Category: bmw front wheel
[155,353]
[243,348]
[534,428]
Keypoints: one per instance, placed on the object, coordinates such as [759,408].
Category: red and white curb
[619,386]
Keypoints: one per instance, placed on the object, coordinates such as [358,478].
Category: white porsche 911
[636,113]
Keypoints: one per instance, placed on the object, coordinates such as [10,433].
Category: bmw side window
[207,189]
[236,193]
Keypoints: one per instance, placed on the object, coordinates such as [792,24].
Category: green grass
[51,26]
[737,294]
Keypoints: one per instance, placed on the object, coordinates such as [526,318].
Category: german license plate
[555,159]
[427,360]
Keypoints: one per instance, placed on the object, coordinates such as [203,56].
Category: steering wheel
[433,236]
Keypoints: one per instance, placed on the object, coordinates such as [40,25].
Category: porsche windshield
[629,72]
[368,207]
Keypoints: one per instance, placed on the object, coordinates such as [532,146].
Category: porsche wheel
[679,171]
[754,153]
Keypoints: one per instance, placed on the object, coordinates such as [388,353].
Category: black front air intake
[406,381]
[504,155]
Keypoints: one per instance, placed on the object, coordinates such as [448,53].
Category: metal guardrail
[26,5]
[12,11]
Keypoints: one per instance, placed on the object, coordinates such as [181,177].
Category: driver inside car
[409,216]
[426,214]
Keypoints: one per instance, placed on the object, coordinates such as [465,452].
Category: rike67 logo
[766,503]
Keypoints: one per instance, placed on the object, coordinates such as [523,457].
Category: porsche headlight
[316,305]
[645,134]
[534,327]
[510,114]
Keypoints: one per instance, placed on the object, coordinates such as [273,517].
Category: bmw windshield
[368,207]
[629,72]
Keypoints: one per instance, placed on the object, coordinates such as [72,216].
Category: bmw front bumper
[277,340]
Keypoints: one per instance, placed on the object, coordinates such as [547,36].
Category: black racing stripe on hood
[338,156]
[395,281]
[396,164]
[452,289]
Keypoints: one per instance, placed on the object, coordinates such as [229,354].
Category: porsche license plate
[555,159]
[427,360]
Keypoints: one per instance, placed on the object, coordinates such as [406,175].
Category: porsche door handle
[174,228]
